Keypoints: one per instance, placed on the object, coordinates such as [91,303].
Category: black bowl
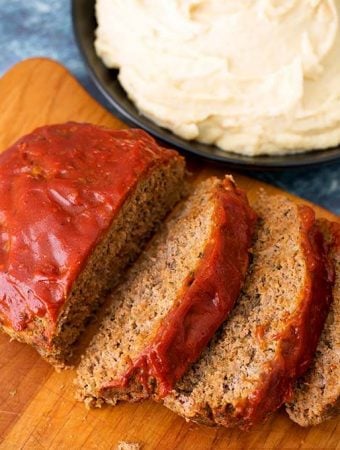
[84,24]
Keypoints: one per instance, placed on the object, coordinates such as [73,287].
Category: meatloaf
[77,202]
[250,367]
[317,394]
[173,299]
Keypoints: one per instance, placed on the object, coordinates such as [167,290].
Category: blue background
[43,28]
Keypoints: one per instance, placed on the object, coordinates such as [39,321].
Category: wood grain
[37,406]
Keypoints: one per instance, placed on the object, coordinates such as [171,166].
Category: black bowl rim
[299,160]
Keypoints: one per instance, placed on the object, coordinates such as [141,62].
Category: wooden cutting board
[37,406]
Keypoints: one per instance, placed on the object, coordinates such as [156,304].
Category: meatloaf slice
[248,370]
[173,299]
[77,202]
[317,394]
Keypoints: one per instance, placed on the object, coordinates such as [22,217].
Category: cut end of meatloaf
[86,200]
[317,394]
[153,198]
[249,368]
[173,299]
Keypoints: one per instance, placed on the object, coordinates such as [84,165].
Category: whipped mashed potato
[250,76]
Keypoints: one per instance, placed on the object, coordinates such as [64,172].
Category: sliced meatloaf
[77,202]
[317,394]
[249,368]
[173,299]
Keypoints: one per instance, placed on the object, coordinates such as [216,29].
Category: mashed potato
[252,77]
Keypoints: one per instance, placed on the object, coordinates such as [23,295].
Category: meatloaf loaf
[77,202]
[173,299]
[250,367]
[317,394]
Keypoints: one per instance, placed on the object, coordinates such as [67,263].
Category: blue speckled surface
[43,28]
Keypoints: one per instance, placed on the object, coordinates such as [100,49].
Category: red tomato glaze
[60,188]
